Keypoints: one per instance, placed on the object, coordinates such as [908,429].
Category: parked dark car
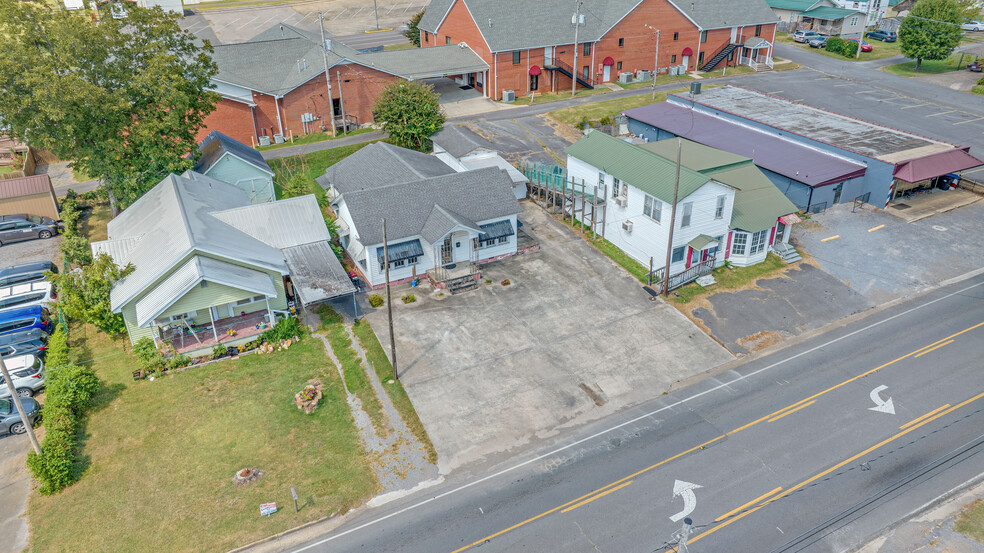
[34,341]
[22,319]
[10,420]
[15,228]
[819,42]
[30,272]
[884,36]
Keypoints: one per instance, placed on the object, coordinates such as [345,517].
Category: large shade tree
[931,30]
[123,98]
[410,112]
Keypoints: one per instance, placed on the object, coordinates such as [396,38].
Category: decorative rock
[246,476]
[307,399]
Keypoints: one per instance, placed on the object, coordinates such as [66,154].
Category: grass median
[312,165]
[159,456]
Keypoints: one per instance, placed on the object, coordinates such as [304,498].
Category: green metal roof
[641,168]
[828,13]
[792,5]
[695,155]
[758,203]
[701,241]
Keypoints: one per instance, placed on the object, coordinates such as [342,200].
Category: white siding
[377,274]
[499,249]
[233,91]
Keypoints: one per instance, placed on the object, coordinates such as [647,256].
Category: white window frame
[719,208]
[758,241]
[686,215]
[739,243]
[652,207]
[854,20]
[616,187]
[683,254]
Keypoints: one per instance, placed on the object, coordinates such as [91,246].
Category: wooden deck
[242,326]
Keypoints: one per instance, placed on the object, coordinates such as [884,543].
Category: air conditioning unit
[278,138]
[674,70]
[643,75]
[621,201]
[625,78]
[264,140]
[508,96]
[682,69]
[627,226]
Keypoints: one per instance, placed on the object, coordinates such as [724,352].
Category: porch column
[270,311]
[214,332]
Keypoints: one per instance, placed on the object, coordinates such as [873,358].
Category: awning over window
[790,219]
[401,251]
[608,61]
[688,52]
[495,230]
[702,242]
[535,70]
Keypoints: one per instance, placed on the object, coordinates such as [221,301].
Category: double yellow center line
[775,415]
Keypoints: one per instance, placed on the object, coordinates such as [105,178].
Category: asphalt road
[779,446]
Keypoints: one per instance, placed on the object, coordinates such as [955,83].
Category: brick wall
[232,118]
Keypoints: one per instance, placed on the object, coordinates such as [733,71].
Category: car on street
[805,36]
[27,294]
[973,26]
[16,228]
[34,341]
[30,272]
[10,420]
[27,374]
[819,42]
[25,318]
[883,35]
[865,47]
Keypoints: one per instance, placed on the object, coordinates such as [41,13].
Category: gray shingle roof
[441,221]
[381,164]
[216,144]
[425,63]
[460,141]
[478,195]
[520,24]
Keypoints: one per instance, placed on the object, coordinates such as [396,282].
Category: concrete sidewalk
[302,149]
[13,493]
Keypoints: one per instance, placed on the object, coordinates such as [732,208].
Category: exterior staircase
[462,284]
[786,252]
[719,57]
[564,68]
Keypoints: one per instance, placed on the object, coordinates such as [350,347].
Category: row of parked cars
[25,324]
[816,40]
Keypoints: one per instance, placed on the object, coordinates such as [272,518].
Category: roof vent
[328,44]
[490,23]
[281,30]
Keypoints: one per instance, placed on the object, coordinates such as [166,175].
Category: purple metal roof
[776,154]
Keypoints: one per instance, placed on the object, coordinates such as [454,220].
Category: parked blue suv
[25,318]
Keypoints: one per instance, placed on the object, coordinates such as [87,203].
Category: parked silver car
[10,421]
[27,372]
[15,228]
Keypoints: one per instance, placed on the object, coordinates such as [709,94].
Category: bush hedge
[68,391]
[285,329]
[846,48]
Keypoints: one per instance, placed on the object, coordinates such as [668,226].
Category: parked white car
[973,26]
[27,372]
[27,294]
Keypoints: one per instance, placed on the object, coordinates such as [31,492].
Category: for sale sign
[267,509]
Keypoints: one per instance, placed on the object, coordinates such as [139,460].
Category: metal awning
[702,242]
[400,251]
[935,165]
[790,219]
[756,43]
[495,230]
[316,273]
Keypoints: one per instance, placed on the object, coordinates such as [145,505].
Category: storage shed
[32,195]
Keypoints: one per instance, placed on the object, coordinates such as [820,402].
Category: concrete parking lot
[572,338]
[15,482]
[31,251]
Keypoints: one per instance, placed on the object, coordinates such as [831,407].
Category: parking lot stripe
[873,229]
[969,121]
[915,106]
[847,84]
[775,92]
[408,7]
[867,92]
[339,14]
[248,22]
[829,238]
[940,113]
[357,13]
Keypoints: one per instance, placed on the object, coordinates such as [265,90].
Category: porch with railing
[762,63]
[691,274]
[186,338]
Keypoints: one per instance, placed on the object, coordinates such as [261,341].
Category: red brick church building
[529,46]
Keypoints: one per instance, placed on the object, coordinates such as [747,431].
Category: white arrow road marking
[685,489]
[885,406]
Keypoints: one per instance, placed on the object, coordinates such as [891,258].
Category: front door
[607,76]
[547,57]
[460,247]
[447,251]
[471,79]
[837,193]
[686,62]
[734,35]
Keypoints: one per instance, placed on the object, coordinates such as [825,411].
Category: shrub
[376,300]
[285,329]
[843,47]
[76,248]
[218,351]
[409,298]
[151,359]
[57,349]
[68,391]
[606,120]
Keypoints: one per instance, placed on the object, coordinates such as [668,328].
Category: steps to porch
[557,65]
[787,252]
[719,57]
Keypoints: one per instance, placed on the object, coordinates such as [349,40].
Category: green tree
[83,294]
[413,33]
[123,98]
[410,113]
[970,9]
[296,185]
[931,30]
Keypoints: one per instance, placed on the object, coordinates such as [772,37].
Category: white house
[464,150]
[439,223]
[727,209]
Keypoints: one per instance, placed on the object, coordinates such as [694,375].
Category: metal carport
[316,273]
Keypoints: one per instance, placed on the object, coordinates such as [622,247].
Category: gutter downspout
[527,71]
[697,55]
[495,63]
[279,122]
[594,49]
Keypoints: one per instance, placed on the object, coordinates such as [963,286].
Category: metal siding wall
[35,204]
[232,169]
[199,299]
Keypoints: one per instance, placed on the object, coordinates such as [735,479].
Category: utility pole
[577,23]
[324,50]
[341,103]
[656,65]
[375,11]
[867,14]
[20,407]
[669,245]
[389,303]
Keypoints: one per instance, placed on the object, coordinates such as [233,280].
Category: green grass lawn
[730,279]
[545,97]
[312,138]
[596,110]
[878,51]
[159,456]
[398,396]
[660,80]
[313,165]
[4,169]
[971,521]
[929,67]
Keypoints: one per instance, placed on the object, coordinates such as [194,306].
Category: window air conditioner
[622,201]
[627,226]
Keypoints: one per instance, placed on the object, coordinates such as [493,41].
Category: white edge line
[628,422]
